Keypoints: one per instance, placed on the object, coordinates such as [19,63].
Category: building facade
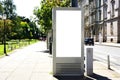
[110,17]
[91,19]
[103,20]
[86,18]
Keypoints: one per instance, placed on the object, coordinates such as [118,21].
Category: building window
[112,8]
[105,12]
[99,15]
[105,6]
[99,3]
[105,1]
[111,29]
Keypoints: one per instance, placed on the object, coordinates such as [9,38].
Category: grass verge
[15,44]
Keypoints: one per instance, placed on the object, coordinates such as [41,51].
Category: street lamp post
[4,39]
[29,35]
[74,3]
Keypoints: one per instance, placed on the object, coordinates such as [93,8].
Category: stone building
[86,18]
[103,20]
[113,21]
[91,18]
[110,20]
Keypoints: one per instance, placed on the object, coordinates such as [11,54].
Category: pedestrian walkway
[35,63]
[101,72]
[29,63]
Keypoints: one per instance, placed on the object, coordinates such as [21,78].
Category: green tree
[6,8]
[1,8]
[25,29]
[44,13]
[15,31]
[1,30]
[32,29]
[9,8]
[5,28]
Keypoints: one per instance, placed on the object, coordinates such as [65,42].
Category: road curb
[108,45]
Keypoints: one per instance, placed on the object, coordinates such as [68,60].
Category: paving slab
[35,63]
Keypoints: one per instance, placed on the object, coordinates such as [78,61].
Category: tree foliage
[14,26]
[23,28]
[44,13]
[5,27]
[1,7]
[9,8]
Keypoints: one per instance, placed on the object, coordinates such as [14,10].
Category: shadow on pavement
[70,78]
[95,60]
[44,51]
[98,77]
[93,77]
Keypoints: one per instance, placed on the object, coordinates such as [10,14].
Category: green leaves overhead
[44,13]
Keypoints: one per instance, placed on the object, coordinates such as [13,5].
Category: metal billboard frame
[64,61]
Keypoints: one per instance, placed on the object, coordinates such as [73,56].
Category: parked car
[89,41]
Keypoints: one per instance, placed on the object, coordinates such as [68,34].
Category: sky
[26,7]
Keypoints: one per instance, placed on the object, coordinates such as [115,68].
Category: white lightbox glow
[68,33]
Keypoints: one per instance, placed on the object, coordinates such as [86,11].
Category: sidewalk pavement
[108,44]
[35,63]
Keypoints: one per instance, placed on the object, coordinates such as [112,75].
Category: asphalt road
[101,53]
